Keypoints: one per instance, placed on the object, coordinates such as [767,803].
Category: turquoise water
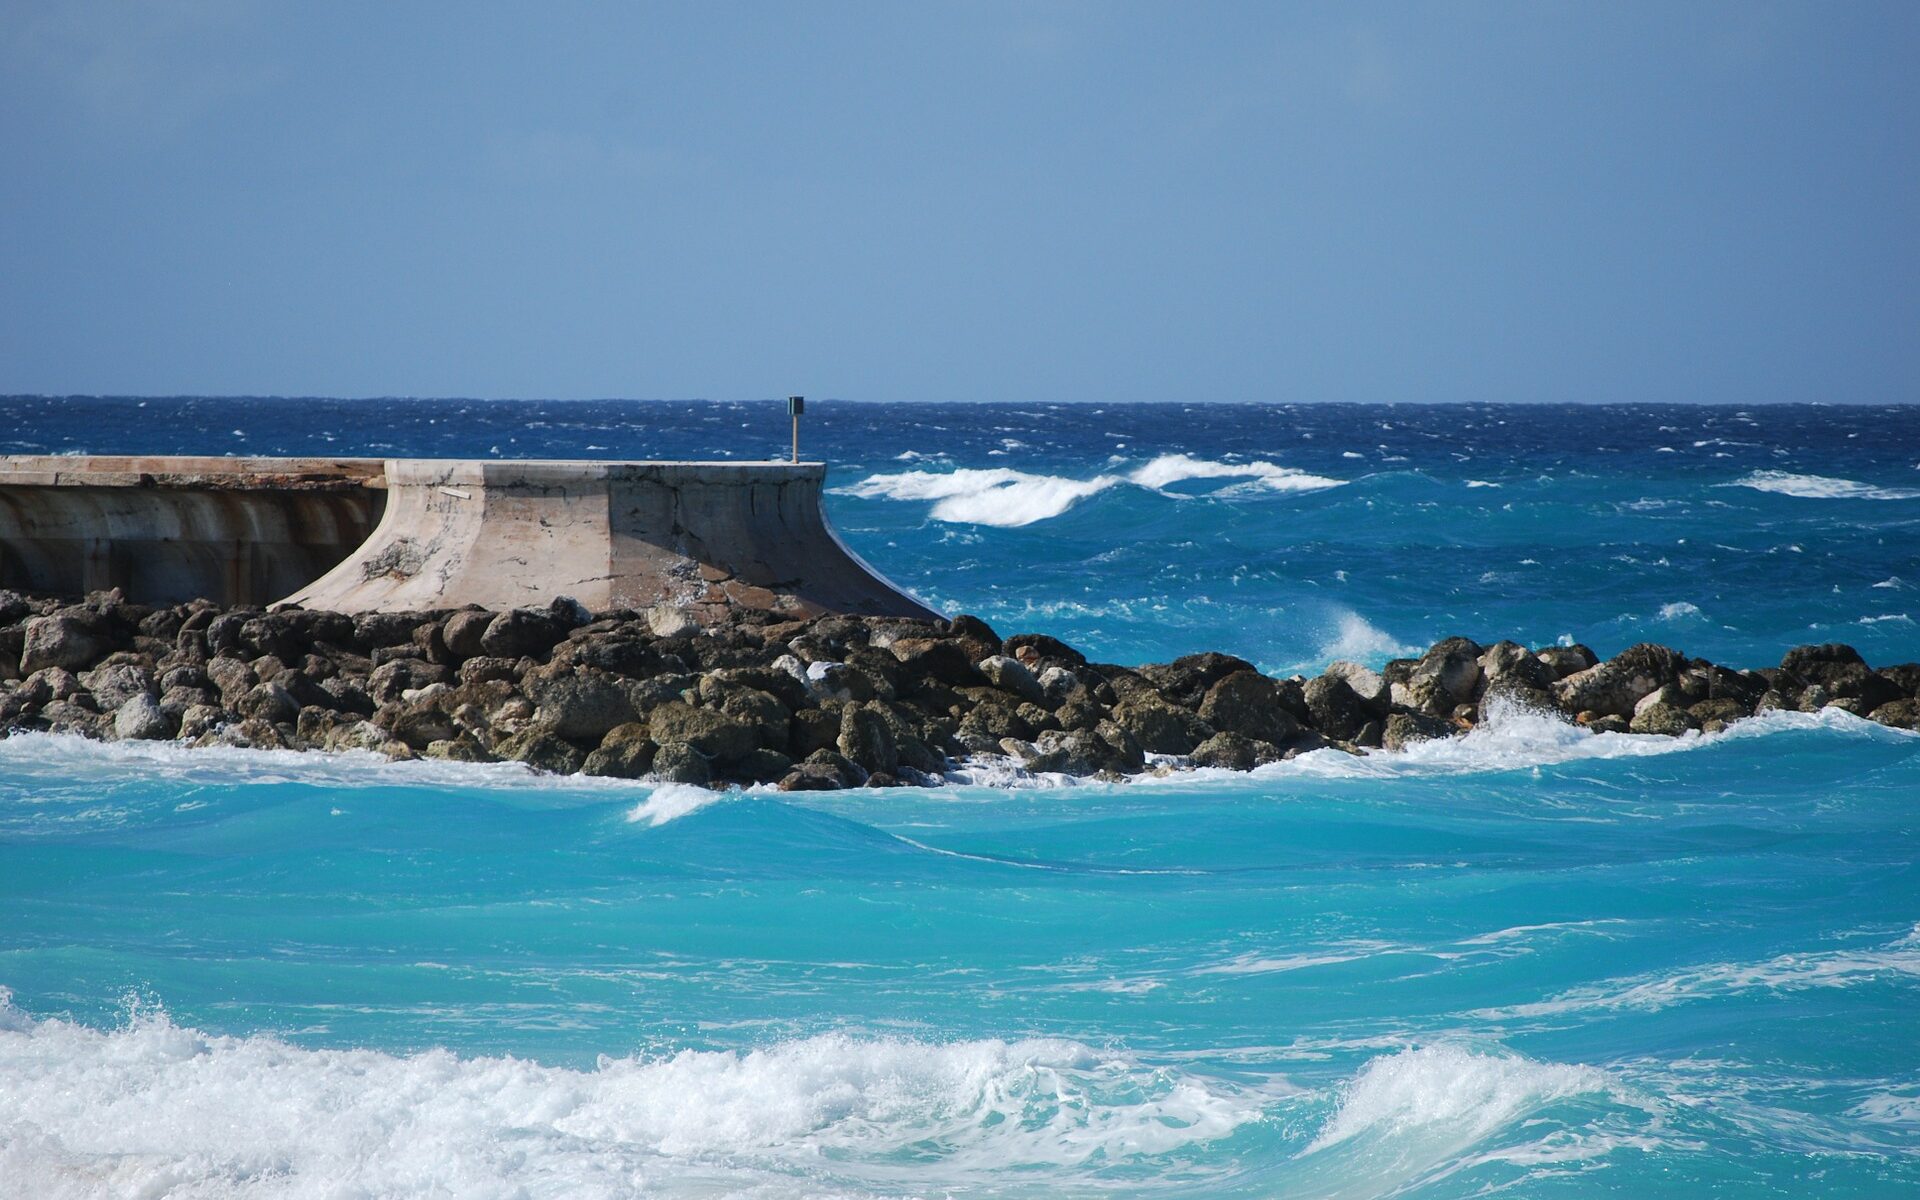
[1533,960]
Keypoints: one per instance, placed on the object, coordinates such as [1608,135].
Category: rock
[268,702]
[757,766]
[542,750]
[112,686]
[139,718]
[59,641]
[521,632]
[1036,649]
[1234,752]
[677,762]
[837,681]
[1057,683]
[1905,676]
[1668,693]
[626,752]
[199,720]
[1337,711]
[416,722]
[1070,752]
[1898,714]
[1455,665]
[1608,724]
[463,632]
[582,706]
[1613,687]
[1668,719]
[461,748]
[1425,694]
[714,734]
[944,659]
[1247,703]
[1186,680]
[1160,727]
[1724,711]
[670,620]
[1368,684]
[866,739]
[1011,675]
[1566,660]
[1404,729]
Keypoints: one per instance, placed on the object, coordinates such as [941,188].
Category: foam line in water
[158,1109]
[1820,487]
[1827,968]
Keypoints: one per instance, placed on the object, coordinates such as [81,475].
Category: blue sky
[1460,201]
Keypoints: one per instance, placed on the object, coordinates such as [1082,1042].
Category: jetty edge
[816,702]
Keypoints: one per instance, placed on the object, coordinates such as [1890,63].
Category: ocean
[1531,961]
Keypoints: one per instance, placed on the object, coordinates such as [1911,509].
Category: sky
[897,202]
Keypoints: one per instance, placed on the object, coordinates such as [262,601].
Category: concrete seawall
[703,537]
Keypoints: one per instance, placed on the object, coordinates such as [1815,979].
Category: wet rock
[199,720]
[392,679]
[543,750]
[460,748]
[1403,729]
[1455,665]
[1715,715]
[677,762]
[1608,724]
[1186,680]
[1613,687]
[944,659]
[1898,714]
[1233,752]
[59,641]
[626,752]
[1668,719]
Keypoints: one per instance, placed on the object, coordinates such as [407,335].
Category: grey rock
[1407,728]
[59,641]
[140,718]
[582,706]
[1160,727]
[1247,703]
[1009,674]
[1668,719]
[677,762]
[1337,711]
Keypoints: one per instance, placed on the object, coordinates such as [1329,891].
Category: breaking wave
[1011,498]
[1821,487]
[155,1108]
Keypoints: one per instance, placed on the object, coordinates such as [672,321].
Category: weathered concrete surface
[703,537]
[234,530]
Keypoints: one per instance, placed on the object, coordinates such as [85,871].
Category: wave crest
[1011,498]
[1820,487]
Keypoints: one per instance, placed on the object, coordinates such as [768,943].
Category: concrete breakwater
[815,702]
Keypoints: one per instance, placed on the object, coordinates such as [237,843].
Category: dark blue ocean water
[1533,960]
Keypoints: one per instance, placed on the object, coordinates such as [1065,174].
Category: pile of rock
[825,703]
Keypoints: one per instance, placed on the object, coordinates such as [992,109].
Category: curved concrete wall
[705,537]
[238,531]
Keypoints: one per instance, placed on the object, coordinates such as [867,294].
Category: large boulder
[59,641]
[521,632]
[1234,752]
[582,706]
[1668,719]
[713,733]
[140,718]
[1337,711]
[1186,679]
[1404,729]
[1454,664]
[1247,703]
[1368,684]
[114,684]
[1009,674]
[626,752]
[1160,727]
[1614,687]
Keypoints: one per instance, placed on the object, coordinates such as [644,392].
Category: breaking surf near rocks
[821,703]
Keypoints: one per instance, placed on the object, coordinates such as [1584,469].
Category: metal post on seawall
[795,406]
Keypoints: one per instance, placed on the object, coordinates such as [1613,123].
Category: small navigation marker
[795,406]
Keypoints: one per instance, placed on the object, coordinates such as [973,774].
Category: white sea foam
[1452,1094]
[671,801]
[1835,968]
[1679,610]
[1011,498]
[1820,487]
[154,1109]
[1357,639]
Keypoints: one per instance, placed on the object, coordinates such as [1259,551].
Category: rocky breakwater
[829,702]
